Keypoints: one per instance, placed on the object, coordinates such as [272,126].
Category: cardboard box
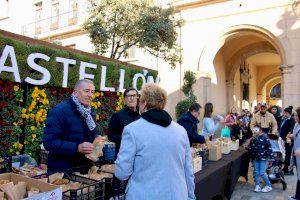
[47,191]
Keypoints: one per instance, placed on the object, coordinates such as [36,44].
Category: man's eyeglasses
[131,96]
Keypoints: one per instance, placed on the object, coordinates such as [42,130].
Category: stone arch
[216,41]
[244,53]
[266,80]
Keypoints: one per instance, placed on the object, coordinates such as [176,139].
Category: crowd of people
[149,145]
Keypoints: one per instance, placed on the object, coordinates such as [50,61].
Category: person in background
[295,156]
[209,125]
[292,108]
[245,124]
[190,121]
[264,119]
[285,128]
[276,113]
[71,129]
[257,108]
[260,150]
[123,117]
[155,153]
[233,122]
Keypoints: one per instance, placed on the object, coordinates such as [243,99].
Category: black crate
[6,164]
[88,190]
[114,188]
[204,154]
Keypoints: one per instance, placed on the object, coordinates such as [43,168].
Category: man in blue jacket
[71,129]
[190,122]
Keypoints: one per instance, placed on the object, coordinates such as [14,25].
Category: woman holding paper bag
[155,153]
[209,125]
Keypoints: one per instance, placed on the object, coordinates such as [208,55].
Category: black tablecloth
[220,177]
[237,168]
[211,181]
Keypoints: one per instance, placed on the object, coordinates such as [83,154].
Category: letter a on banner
[9,50]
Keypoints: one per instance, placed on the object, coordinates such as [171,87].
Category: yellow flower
[99,103]
[25,142]
[101,93]
[33,135]
[16,88]
[23,110]
[24,116]
[17,153]
[20,146]
[15,124]
[97,117]
[32,128]
[118,108]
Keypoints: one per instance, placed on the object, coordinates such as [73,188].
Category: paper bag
[98,146]
[214,152]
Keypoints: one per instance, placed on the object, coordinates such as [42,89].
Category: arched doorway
[243,61]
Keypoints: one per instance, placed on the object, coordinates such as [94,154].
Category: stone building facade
[242,51]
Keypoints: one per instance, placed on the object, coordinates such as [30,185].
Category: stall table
[219,178]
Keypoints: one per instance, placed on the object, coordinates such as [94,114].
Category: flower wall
[24,109]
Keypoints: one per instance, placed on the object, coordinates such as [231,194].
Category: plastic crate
[114,188]
[88,190]
[6,164]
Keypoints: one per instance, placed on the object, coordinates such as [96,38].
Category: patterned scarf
[85,112]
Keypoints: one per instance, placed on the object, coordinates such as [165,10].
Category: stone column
[204,90]
[286,79]
[230,93]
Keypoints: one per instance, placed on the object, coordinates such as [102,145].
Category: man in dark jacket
[124,117]
[71,129]
[190,122]
[286,127]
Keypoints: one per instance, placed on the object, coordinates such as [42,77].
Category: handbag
[225,132]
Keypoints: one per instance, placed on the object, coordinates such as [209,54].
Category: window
[38,17]
[73,9]
[276,92]
[54,14]
[4,5]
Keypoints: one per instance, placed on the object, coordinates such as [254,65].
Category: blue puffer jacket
[65,130]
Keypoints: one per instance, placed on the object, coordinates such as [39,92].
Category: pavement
[244,190]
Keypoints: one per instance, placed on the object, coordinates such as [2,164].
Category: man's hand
[85,148]
[297,153]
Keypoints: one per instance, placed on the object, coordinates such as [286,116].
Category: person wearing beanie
[285,128]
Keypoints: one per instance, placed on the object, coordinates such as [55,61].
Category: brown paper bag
[98,146]
[33,191]
[2,182]
[55,177]
[214,152]
[6,186]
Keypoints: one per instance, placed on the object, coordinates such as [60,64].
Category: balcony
[59,24]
